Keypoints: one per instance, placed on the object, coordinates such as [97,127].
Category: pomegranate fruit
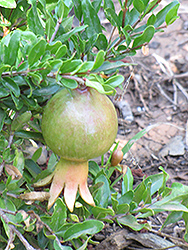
[77,125]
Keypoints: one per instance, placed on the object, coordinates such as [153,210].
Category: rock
[174,147]
[125,110]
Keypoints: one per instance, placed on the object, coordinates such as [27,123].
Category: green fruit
[78,125]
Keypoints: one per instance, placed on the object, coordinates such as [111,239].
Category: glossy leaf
[8,4]
[103,193]
[98,60]
[32,168]
[172,14]
[89,227]
[131,222]
[69,83]
[70,65]
[12,54]
[60,247]
[20,120]
[161,15]
[101,212]
[127,183]
[36,52]
[97,86]
[63,38]
[11,85]
[29,135]
[61,51]
[173,217]
[115,81]
[19,160]
[145,37]
[91,18]
[139,5]
[33,19]
[78,9]
[2,118]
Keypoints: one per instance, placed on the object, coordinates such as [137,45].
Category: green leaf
[33,19]
[29,135]
[172,15]
[59,215]
[103,194]
[84,67]
[102,42]
[2,118]
[70,65]
[19,160]
[139,5]
[8,4]
[36,52]
[11,52]
[173,217]
[53,47]
[115,81]
[97,86]
[60,247]
[98,60]
[161,15]
[21,120]
[37,154]
[91,18]
[145,37]
[101,212]
[87,227]
[32,168]
[61,51]
[127,182]
[107,66]
[63,38]
[112,17]
[151,20]
[131,222]
[69,83]
[11,85]
[3,92]
[78,9]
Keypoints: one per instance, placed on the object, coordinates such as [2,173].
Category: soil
[157,93]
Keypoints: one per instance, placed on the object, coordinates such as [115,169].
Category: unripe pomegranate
[117,157]
[77,125]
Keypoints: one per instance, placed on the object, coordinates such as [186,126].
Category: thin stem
[130,49]
[56,29]
[9,145]
[124,13]
[14,229]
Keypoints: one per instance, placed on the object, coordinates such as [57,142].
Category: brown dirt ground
[148,93]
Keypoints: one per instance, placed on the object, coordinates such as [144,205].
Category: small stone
[154,45]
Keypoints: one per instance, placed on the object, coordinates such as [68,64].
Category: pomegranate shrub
[77,125]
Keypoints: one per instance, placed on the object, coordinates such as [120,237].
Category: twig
[13,229]
[178,241]
[165,95]
[56,29]
[124,13]
[9,145]
[46,226]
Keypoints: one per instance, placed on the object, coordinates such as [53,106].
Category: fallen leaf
[13,171]
[35,196]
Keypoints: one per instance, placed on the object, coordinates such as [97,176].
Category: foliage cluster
[42,51]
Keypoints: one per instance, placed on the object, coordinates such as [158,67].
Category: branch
[9,145]
[56,29]
[13,229]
